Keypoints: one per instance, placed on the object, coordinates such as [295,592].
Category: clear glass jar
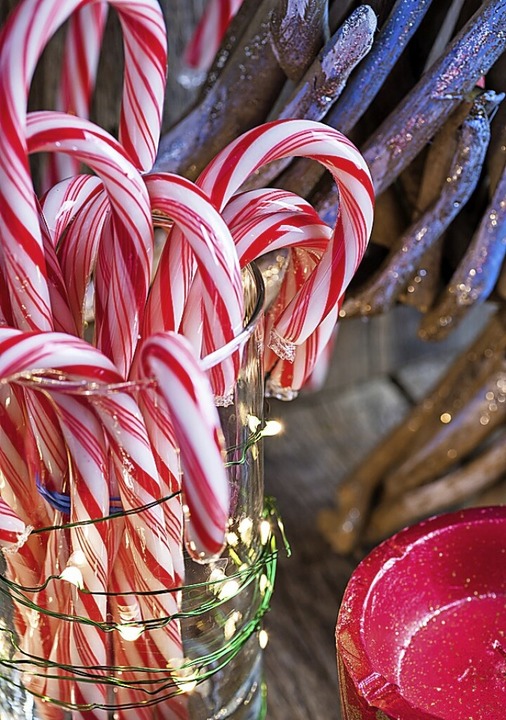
[202,658]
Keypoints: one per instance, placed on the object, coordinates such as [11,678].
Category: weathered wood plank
[325,435]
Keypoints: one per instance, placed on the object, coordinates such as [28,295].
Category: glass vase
[188,649]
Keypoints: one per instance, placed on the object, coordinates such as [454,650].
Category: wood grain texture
[325,435]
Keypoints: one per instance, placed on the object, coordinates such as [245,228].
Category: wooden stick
[459,434]
[441,494]
[325,79]
[342,527]
[406,16]
[232,39]
[424,110]
[299,29]
[382,289]
[225,112]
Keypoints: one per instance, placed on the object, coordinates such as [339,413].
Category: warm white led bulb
[73,575]
[130,632]
[263,639]
[272,427]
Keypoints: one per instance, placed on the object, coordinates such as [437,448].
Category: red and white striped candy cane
[75,211]
[62,317]
[285,138]
[268,220]
[27,355]
[22,356]
[169,358]
[64,200]
[208,34]
[138,483]
[220,282]
[17,460]
[129,260]
[89,501]
[81,53]
[24,37]
[148,551]
[287,378]
[315,381]
[209,237]
[259,226]
[12,528]
[141,651]
[251,205]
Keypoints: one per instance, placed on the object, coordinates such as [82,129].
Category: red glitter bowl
[421,632]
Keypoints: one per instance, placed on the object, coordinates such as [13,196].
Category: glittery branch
[299,28]
[382,289]
[364,84]
[325,79]
[425,109]
[477,272]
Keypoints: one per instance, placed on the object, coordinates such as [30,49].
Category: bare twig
[325,79]
[343,526]
[464,431]
[364,85]
[299,28]
[383,288]
[425,109]
[441,494]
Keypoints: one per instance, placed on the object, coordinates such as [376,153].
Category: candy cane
[206,39]
[287,378]
[65,200]
[22,43]
[62,317]
[77,80]
[162,439]
[326,285]
[169,358]
[89,496]
[267,220]
[78,248]
[12,528]
[16,461]
[220,282]
[148,554]
[210,240]
[27,355]
[129,273]
[21,355]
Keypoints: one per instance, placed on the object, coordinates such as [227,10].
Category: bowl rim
[371,685]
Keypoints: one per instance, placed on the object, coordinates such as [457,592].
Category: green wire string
[205,666]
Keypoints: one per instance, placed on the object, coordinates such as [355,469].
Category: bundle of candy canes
[75,439]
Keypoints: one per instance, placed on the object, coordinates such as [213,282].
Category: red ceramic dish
[421,632]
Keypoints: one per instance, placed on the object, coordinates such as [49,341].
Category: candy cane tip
[224,400]
[282,347]
[274,389]
[22,538]
[201,555]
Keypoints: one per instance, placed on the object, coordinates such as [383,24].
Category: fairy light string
[215,595]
